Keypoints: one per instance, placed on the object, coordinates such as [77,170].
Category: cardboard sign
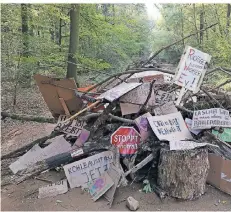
[52,93]
[139,95]
[127,108]
[184,145]
[191,69]
[84,135]
[142,124]
[115,175]
[53,189]
[165,109]
[83,171]
[224,136]
[28,158]
[164,97]
[188,123]
[169,127]
[118,91]
[58,146]
[127,139]
[99,186]
[74,129]
[204,119]
[220,173]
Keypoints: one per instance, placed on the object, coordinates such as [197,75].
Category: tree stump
[182,174]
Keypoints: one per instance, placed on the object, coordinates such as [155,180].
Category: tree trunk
[228,18]
[60,34]
[201,26]
[25,29]
[183,174]
[74,41]
[182,25]
[195,22]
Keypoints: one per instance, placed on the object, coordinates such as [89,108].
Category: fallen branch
[28,118]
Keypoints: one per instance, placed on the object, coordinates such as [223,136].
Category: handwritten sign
[164,97]
[127,139]
[53,189]
[169,127]
[83,171]
[127,108]
[99,186]
[142,124]
[139,95]
[183,145]
[74,129]
[118,91]
[165,109]
[204,119]
[224,136]
[192,68]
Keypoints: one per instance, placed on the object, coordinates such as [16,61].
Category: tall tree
[228,18]
[73,42]
[25,30]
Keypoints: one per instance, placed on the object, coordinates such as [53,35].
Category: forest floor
[23,197]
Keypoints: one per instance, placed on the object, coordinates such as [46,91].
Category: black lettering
[86,175]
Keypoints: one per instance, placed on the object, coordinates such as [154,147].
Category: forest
[91,41]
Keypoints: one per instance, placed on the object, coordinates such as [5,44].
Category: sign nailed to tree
[192,68]
[127,139]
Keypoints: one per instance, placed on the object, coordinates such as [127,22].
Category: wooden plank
[64,106]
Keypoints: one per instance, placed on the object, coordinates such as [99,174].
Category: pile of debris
[148,125]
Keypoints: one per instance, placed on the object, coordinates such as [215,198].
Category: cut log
[183,174]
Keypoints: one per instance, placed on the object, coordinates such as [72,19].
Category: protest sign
[99,186]
[142,124]
[53,189]
[165,109]
[127,139]
[139,95]
[204,119]
[163,97]
[191,69]
[81,172]
[184,145]
[188,123]
[224,136]
[118,91]
[169,127]
[74,129]
[127,108]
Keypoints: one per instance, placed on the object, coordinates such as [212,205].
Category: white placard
[163,97]
[165,109]
[139,95]
[184,145]
[127,108]
[169,127]
[83,171]
[53,189]
[191,69]
[204,119]
[118,91]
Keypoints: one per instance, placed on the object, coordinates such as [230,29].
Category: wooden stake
[81,111]
[63,103]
